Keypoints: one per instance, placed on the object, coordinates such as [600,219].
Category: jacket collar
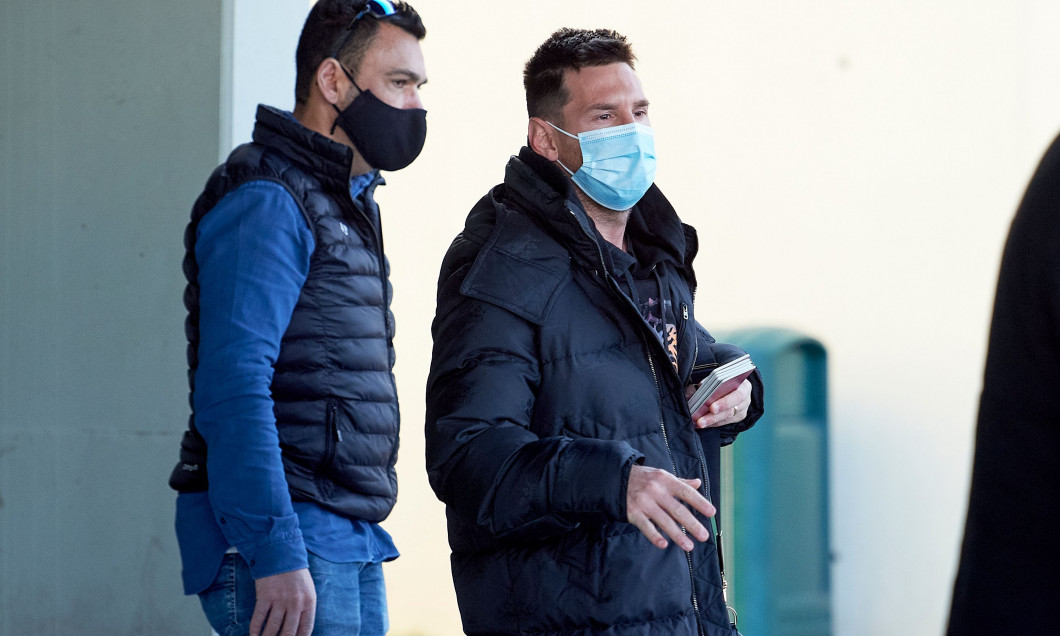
[329,160]
[537,187]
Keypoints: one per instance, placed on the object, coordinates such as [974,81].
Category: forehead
[394,48]
[609,84]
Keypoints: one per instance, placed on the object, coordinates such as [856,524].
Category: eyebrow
[408,73]
[643,103]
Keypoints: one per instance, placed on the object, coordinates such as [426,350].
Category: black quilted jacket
[546,386]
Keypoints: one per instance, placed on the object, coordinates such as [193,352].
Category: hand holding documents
[721,381]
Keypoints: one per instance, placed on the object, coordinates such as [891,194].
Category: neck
[610,223]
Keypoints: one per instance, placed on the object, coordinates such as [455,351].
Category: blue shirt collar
[359,182]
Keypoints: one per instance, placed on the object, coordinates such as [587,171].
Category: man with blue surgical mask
[579,487]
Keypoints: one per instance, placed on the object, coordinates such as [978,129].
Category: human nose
[413,100]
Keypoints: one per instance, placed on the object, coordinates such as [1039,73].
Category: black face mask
[389,138]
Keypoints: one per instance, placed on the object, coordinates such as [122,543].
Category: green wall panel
[109,122]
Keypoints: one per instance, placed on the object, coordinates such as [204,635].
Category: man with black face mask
[287,468]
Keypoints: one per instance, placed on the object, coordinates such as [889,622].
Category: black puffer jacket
[335,399]
[546,386]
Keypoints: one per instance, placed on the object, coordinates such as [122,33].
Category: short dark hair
[568,49]
[327,26]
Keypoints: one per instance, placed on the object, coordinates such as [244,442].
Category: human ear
[540,136]
[329,77]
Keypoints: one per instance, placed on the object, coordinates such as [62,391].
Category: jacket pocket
[332,436]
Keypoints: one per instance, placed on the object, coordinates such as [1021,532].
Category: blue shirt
[253,252]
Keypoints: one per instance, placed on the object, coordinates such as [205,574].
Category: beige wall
[852,168]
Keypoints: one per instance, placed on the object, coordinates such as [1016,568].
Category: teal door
[775,492]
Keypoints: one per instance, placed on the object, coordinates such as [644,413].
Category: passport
[721,381]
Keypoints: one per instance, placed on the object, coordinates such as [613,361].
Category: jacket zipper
[331,436]
[695,355]
[377,234]
[666,442]
[706,475]
[613,287]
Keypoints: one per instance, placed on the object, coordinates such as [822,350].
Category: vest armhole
[280,182]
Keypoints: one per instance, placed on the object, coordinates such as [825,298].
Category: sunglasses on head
[375,8]
[378,9]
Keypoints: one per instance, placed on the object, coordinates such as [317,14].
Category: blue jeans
[351,598]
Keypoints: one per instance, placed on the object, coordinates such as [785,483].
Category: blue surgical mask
[618,164]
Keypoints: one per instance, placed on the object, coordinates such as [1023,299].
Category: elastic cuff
[594,477]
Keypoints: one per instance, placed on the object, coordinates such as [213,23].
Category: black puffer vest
[335,399]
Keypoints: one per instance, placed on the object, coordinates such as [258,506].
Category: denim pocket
[229,601]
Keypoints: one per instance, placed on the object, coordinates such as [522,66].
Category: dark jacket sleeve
[483,459]
[713,354]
